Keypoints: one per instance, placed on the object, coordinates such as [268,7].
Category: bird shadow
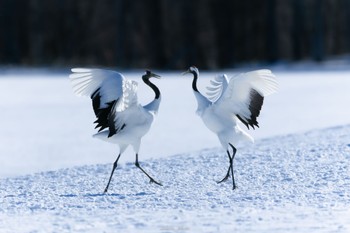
[121,196]
[103,195]
[68,195]
[118,195]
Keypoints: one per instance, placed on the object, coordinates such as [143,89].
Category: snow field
[297,182]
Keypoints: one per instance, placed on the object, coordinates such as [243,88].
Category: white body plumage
[225,127]
[141,120]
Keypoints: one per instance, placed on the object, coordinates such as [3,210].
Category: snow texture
[292,183]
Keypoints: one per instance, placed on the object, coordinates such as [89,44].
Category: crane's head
[193,70]
[149,75]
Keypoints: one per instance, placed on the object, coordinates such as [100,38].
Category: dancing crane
[120,118]
[230,101]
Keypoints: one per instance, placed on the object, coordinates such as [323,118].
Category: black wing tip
[96,101]
[249,122]
[255,104]
[111,118]
[246,122]
[106,118]
[115,131]
[110,134]
[102,114]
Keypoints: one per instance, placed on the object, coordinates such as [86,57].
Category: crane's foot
[233,184]
[151,180]
[156,182]
[224,179]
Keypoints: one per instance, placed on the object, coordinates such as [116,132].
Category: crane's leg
[234,150]
[114,167]
[138,165]
[228,171]
[230,168]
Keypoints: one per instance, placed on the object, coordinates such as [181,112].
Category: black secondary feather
[102,114]
[255,104]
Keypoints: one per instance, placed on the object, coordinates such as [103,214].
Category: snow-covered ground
[295,178]
[293,183]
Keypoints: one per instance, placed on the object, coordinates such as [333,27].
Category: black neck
[194,83]
[154,87]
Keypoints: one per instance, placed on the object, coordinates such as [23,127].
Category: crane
[120,119]
[230,101]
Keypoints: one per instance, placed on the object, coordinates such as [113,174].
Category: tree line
[171,34]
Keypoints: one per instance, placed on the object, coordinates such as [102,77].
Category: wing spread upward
[110,92]
[218,86]
[245,94]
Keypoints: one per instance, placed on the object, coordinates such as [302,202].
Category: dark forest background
[171,34]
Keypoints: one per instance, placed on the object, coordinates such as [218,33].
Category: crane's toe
[156,182]
[224,179]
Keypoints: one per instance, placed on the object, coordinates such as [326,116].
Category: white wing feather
[112,85]
[236,99]
[218,86]
[263,81]
[129,97]
[114,97]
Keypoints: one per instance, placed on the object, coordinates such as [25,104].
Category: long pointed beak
[186,72]
[155,75]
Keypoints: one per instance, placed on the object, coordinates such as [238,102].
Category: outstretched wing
[110,93]
[218,86]
[245,94]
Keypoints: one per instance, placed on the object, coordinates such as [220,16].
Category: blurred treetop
[171,34]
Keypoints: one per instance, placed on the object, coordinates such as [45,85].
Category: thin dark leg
[230,168]
[151,179]
[234,150]
[114,167]
[228,171]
